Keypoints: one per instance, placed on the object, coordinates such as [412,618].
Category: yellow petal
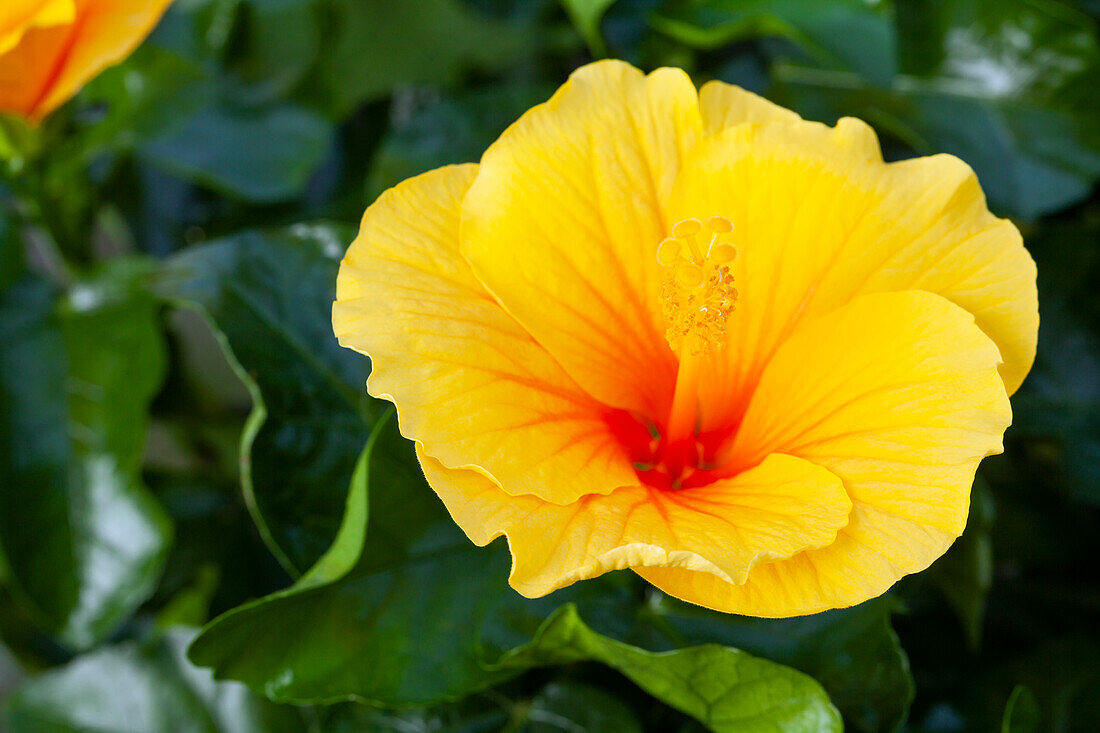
[725,105]
[897,394]
[781,507]
[50,64]
[564,220]
[468,381]
[820,219]
[19,16]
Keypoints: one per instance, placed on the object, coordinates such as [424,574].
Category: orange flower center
[698,299]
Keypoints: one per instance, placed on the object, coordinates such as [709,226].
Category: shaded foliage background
[181,439]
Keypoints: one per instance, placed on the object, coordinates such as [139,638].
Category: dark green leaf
[263,156]
[84,541]
[965,574]
[1060,401]
[726,689]
[11,254]
[454,129]
[280,41]
[270,297]
[586,15]
[1022,713]
[423,613]
[1013,103]
[149,688]
[475,714]
[824,28]
[372,46]
[404,627]
[573,706]
[854,652]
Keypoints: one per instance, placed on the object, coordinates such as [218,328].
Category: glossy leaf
[724,688]
[269,296]
[418,619]
[1006,86]
[854,652]
[264,156]
[404,627]
[150,688]
[824,28]
[84,541]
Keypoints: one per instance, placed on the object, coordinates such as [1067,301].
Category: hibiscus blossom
[49,49]
[694,335]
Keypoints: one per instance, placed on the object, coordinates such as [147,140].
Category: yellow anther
[689,276]
[722,254]
[668,252]
[719,224]
[686,228]
[698,286]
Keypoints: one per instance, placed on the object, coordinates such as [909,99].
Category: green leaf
[853,652]
[574,706]
[965,573]
[724,688]
[269,297]
[586,15]
[424,613]
[455,128]
[1006,86]
[279,42]
[823,28]
[11,254]
[191,606]
[1022,714]
[404,627]
[149,688]
[1060,402]
[84,541]
[263,156]
[372,46]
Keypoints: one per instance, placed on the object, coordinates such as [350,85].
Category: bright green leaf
[269,296]
[724,688]
[150,688]
[1022,714]
[853,652]
[83,539]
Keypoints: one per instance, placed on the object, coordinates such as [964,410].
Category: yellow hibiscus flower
[49,49]
[694,335]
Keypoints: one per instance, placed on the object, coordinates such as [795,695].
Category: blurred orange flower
[694,335]
[49,49]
